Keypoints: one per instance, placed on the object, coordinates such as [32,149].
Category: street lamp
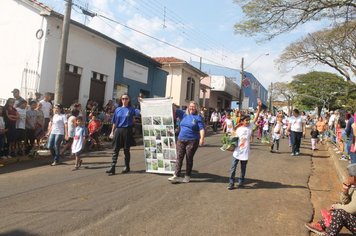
[243,76]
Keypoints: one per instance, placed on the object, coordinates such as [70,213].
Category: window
[99,76]
[73,69]
[190,89]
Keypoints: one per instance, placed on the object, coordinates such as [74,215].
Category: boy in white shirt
[242,150]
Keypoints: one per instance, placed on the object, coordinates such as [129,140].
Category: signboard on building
[135,71]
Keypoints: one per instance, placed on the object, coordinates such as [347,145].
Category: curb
[340,166]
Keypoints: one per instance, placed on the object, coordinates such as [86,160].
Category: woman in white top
[57,130]
[296,128]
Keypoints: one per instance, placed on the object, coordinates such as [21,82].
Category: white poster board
[158,135]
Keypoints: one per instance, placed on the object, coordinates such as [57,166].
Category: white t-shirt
[46,108]
[265,126]
[58,122]
[242,150]
[276,131]
[285,123]
[229,125]
[332,120]
[296,124]
[21,122]
[215,117]
[272,119]
[78,139]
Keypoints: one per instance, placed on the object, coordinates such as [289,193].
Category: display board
[158,135]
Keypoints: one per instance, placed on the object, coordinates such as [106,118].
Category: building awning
[225,84]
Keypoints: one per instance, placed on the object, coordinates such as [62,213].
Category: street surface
[37,199]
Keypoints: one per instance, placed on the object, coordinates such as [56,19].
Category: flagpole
[241,85]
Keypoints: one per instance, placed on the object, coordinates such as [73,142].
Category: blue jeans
[296,139]
[352,154]
[54,144]
[233,170]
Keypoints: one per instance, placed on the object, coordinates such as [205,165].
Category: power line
[86,11]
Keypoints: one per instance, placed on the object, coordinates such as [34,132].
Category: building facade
[251,87]
[97,66]
[183,80]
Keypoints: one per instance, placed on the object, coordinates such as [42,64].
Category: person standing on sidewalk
[351,137]
[122,133]
[341,214]
[242,150]
[296,129]
[46,109]
[191,135]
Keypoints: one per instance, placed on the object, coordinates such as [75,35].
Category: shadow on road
[18,233]
[249,183]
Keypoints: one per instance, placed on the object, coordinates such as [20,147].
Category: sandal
[75,168]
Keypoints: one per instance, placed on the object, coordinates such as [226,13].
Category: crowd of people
[339,128]
[37,123]
[25,124]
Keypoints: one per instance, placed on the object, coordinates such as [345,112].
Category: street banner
[158,135]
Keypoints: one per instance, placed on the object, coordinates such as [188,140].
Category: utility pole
[58,92]
[241,85]
[270,98]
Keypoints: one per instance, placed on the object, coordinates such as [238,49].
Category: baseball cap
[15,90]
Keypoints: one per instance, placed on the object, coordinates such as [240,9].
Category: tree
[284,91]
[321,89]
[333,47]
[274,17]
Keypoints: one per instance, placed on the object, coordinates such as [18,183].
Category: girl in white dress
[78,142]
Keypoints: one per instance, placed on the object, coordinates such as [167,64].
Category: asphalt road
[37,199]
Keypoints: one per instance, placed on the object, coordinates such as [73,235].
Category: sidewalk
[340,165]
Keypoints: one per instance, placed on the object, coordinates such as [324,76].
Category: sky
[196,29]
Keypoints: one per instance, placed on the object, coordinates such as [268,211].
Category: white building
[183,80]
[30,39]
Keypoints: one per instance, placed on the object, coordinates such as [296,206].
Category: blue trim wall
[157,78]
[236,76]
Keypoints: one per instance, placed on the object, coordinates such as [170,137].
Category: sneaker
[230,187]
[175,179]
[186,179]
[292,154]
[316,228]
[297,153]
[343,158]
[54,163]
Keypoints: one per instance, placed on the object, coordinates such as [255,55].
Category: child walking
[314,133]
[78,141]
[242,150]
[277,130]
[228,125]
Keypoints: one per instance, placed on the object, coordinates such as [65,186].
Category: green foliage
[322,89]
[229,143]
